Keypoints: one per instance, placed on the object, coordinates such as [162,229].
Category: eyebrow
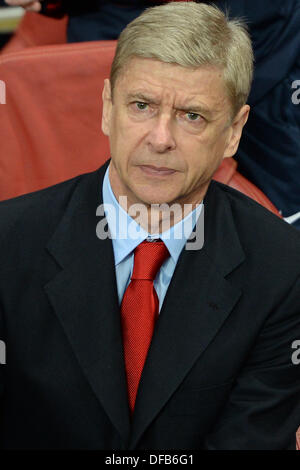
[142,97]
[194,108]
[197,109]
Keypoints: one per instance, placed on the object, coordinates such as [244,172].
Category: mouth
[151,170]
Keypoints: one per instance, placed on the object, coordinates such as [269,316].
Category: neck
[157,218]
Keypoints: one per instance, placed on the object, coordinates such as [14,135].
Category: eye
[141,106]
[190,121]
[193,116]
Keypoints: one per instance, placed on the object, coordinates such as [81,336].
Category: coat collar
[84,297]
[198,301]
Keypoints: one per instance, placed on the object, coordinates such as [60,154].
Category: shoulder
[37,208]
[261,233]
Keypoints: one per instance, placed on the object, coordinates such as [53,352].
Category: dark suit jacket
[219,373]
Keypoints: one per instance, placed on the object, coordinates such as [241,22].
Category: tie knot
[148,258]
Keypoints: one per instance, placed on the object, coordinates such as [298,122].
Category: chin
[157,198]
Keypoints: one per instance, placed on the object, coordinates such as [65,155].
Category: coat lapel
[197,303]
[84,297]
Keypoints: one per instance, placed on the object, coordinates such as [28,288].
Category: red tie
[139,311]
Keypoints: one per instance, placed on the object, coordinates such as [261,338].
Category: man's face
[169,129]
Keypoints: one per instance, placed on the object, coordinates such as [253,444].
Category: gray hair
[191,35]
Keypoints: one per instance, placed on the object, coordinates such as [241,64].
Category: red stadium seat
[37,30]
[51,122]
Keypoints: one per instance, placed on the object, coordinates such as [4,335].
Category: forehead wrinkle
[143,96]
[185,104]
[188,104]
[157,93]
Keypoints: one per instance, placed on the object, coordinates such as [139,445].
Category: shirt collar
[126,234]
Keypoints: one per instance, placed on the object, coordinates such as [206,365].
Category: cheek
[203,156]
[124,146]
[198,153]
[211,147]
[118,138]
[126,134]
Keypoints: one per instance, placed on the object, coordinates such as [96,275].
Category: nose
[161,138]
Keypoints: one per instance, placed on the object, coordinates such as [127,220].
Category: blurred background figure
[9,21]
[269,152]
[91,20]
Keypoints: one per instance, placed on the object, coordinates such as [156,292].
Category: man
[119,333]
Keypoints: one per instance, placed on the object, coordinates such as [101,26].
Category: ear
[236,129]
[107,107]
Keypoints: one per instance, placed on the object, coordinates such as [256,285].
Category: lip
[156,170]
